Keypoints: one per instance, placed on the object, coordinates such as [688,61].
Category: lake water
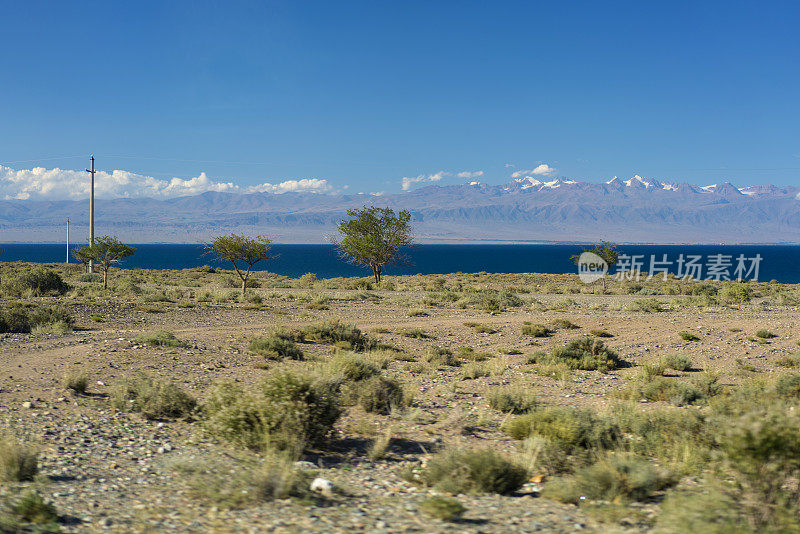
[778,262]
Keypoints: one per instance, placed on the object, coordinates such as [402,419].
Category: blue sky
[363,94]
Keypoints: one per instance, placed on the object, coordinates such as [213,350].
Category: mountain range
[637,210]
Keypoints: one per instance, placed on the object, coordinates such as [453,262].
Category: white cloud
[407,181]
[507,165]
[470,174]
[540,170]
[59,184]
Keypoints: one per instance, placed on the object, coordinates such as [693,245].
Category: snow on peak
[638,181]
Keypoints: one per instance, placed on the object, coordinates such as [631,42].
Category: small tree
[238,250]
[605,250]
[373,237]
[82,255]
[106,252]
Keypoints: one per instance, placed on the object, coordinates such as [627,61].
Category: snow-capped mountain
[528,209]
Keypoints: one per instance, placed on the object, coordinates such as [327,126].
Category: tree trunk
[244,286]
[105,279]
[376,269]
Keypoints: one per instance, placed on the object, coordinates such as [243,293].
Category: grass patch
[337,333]
[443,508]
[765,334]
[18,461]
[536,330]
[276,346]
[415,333]
[511,400]
[76,382]
[160,338]
[614,478]
[473,471]
[677,362]
[688,336]
[599,332]
[480,328]
[585,353]
[153,398]
[285,411]
[563,324]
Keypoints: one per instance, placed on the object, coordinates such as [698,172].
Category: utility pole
[67,239]
[91,212]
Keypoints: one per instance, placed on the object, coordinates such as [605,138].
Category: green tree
[241,250]
[607,251]
[81,255]
[107,251]
[373,237]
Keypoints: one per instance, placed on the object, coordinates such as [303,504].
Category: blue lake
[779,262]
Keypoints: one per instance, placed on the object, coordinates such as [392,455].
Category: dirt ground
[109,471]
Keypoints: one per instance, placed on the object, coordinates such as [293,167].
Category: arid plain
[450,403]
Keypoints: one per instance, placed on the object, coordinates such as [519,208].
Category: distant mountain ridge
[638,210]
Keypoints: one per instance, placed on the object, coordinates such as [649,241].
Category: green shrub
[417,313]
[18,319]
[789,361]
[765,334]
[353,368]
[247,484]
[670,390]
[563,324]
[678,362]
[470,354]
[444,508]
[413,333]
[277,346]
[599,332]
[708,511]
[688,336]
[50,315]
[760,451]
[160,338]
[379,394]
[735,293]
[571,428]
[535,330]
[439,356]
[37,283]
[32,509]
[153,398]
[645,305]
[614,478]
[18,461]
[475,370]
[307,280]
[285,411]
[473,471]
[651,370]
[788,385]
[333,332]
[14,320]
[585,353]
[511,400]
[76,382]
[480,328]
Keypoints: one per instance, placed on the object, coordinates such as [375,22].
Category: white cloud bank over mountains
[60,184]
[408,181]
[540,170]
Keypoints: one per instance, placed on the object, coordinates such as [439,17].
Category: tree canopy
[106,252]
[373,237]
[241,250]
